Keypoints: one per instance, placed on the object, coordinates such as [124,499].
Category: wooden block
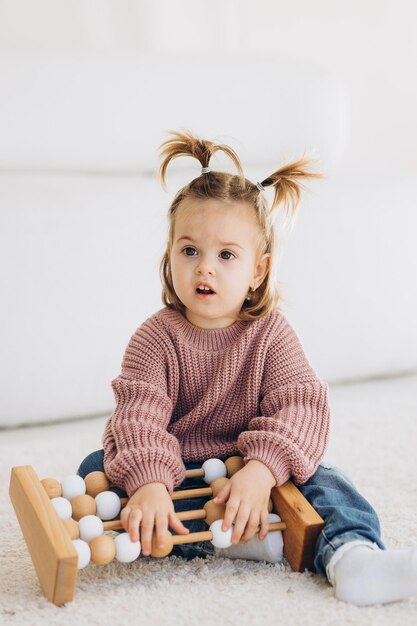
[53,555]
[303,522]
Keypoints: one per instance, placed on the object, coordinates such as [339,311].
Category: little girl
[219,371]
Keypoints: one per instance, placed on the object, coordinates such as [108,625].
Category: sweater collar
[209,339]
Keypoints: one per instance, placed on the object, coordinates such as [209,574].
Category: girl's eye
[223,251]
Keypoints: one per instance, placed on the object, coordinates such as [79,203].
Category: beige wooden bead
[96,482]
[71,527]
[217,484]
[52,487]
[234,464]
[103,549]
[214,511]
[168,545]
[83,505]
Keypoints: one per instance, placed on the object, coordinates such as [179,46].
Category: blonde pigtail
[187,144]
[287,185]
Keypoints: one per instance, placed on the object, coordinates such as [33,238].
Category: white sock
[269,550]
[364,576]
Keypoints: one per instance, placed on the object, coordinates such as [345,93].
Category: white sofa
[83,219]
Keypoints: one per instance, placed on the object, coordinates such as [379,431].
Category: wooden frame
[55,558]
[303,525]
[53,555]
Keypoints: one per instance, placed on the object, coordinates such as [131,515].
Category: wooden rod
[208,535]
[182,515]
[192,493]
[114,524]
[192,473]
[185,493]
[188,515]
[193,514]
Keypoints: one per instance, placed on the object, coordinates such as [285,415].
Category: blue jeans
[347,515]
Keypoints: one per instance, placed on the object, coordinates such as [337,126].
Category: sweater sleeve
[137,447]
[291,435]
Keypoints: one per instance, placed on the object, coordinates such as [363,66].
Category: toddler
[219,371]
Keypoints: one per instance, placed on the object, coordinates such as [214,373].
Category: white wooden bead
[83,551]
[126,550]
[62,506]
[90,526]
[108,505]
[73,486]
[221,538]
[213,468]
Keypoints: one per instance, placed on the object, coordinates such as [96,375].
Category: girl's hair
[233,188]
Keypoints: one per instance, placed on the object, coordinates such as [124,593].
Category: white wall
[88,92]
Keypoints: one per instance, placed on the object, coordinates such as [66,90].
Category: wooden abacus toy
[64,524]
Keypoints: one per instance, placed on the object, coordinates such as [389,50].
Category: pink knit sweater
[189,394]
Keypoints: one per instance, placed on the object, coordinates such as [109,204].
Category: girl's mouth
[204,294]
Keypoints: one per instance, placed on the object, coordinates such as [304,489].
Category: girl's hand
[151,505]
[247,494]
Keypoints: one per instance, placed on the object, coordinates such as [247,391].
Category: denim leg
[92,463]
[348,516]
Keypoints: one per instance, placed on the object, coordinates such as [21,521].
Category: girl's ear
[261,269]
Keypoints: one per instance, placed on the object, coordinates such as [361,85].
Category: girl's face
[214,242]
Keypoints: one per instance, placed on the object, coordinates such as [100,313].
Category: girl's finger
[146,530]
[264,524]
[161,525]
[251,527]
[134,523]
[124,517]
[223,494]
[240,524]
[232,507]
[177,525]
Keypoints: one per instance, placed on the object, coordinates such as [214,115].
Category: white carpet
[373,439]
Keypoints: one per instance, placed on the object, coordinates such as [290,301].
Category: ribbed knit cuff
[152,473]
[129,470]
[269,453]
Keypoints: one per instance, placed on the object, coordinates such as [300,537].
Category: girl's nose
[204,267]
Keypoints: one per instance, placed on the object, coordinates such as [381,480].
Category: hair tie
[206,170]
[260,187]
